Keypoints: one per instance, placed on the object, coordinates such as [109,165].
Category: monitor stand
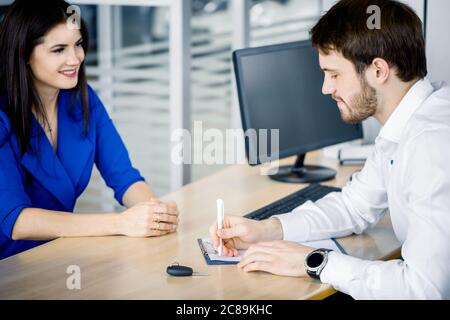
[300,173]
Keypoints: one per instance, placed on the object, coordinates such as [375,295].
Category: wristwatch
[315,261]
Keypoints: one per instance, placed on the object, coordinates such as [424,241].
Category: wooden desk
[135,268]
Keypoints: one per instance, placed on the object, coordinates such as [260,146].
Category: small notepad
[212,256]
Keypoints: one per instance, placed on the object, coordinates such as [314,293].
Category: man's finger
[228,249]
[259,266]
[254,257]
[227,233]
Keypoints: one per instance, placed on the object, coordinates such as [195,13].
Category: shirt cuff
[341,269]
[295,226]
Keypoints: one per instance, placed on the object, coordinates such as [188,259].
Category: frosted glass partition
[240,23]
[139,65]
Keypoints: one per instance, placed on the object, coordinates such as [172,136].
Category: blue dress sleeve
[13,198]
[111,155]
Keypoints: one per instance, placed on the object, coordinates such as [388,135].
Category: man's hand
[284,258]
[239,233]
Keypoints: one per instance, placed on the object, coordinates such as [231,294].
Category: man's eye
[334,76]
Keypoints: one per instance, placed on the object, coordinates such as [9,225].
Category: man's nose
[328,87]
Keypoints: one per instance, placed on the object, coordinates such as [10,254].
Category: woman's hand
[149,219]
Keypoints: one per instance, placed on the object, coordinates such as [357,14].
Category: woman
[53,128]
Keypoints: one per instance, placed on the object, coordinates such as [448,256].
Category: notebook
[212,257]
[355,155]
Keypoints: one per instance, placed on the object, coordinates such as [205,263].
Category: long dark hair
[23,27]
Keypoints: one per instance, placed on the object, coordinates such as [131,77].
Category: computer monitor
[280,87]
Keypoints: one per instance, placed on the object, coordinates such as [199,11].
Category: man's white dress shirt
[409,174]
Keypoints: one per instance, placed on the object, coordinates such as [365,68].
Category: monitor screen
[280,87]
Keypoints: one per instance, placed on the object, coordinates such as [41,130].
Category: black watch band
[316,261]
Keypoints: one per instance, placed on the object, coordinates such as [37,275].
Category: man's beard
[361,106]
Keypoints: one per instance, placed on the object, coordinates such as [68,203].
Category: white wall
[438,36]
[438,40]
[418,6]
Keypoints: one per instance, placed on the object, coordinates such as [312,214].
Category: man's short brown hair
[399,40]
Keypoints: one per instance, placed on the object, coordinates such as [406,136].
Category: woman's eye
[58,50]
[334,76]
[79,44]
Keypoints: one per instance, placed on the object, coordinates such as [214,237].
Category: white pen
[220,216]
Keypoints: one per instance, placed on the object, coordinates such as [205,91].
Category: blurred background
[129,65]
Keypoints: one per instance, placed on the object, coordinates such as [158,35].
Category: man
[381,73]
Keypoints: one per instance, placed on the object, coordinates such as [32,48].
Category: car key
[182,271]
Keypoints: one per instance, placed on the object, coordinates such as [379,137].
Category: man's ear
[380,70]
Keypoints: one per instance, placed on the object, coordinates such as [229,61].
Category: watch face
[314,260]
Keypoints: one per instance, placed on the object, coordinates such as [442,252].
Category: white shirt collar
[415,96]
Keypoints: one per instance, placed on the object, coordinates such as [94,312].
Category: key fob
[179,271]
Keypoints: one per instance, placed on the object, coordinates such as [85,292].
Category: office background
[139,64]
